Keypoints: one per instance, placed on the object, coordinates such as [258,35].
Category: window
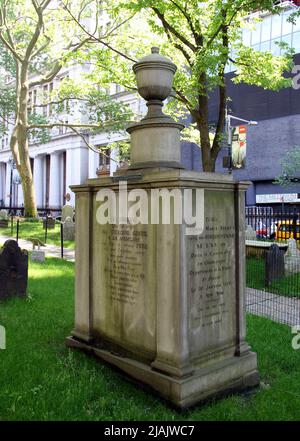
[45,98]
[104,159]
[275,49]
[296,26]
[256,33]
[246,37]
[34,97]
[266,29]
[287,39]
[264,47]
[287,27]
[50,92]
[29,105]
[296,41]
[276,26]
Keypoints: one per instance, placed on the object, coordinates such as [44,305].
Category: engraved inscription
[125,266]
[211,260]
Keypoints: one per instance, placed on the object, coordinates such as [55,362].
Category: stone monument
[37,255]
[13,270]
[3,219]
[292,257]
[274,264]
[67,211]
[69,229]
[250,233]
[163,301]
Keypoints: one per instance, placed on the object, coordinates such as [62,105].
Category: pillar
[55,200]
[38,179]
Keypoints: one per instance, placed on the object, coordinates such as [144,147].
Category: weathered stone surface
[67,211]
[3,219]
[3,214]
[173,305]
[274,264]
[38,256]
[49,222]
[250,233]
[69,229]
[166,308]
[292,257]
[13,270]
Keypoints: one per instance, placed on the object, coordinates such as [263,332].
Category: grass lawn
[35,229]
[255,276]
[41,379]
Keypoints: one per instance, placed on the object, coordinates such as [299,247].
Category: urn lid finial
[155,50]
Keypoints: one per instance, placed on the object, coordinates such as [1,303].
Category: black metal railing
[278,223]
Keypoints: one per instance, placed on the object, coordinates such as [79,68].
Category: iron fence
[279,223]
[42,211]
[273,263]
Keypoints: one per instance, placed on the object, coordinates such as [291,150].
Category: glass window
[264,47]
[287,39]
[266,29]
[256,47]
[246,37]
[296,41]
[296,26]
[276,26]
[256,34]
[275,49]
[287,27]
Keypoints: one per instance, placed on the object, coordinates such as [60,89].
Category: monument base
[235,374]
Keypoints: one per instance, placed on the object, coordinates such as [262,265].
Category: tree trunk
[19,144]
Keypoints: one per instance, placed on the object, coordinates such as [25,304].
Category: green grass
[255,278]
[35,229]
[41,379]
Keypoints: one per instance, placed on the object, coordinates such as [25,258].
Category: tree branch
[169,27]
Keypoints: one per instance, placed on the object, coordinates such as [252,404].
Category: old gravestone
[67,211]
[250,233]
[3,219]
[292,257]
[13,270]
[49,223]
[274,264]
[69,229]
[164,306]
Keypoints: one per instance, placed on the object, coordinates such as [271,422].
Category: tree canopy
[202,38]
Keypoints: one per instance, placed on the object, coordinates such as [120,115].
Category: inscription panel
[124,305]
[211,277]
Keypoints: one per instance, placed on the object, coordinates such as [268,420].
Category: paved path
[281,309]
[50,250]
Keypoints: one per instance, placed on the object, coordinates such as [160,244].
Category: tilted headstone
[250,234]
[67,211]
[292,257]
[274,264]
[69,229]
[49,222]
[13,270]
[3,219]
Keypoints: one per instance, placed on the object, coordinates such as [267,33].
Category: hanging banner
[239,147]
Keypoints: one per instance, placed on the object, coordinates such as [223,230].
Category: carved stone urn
[155,140]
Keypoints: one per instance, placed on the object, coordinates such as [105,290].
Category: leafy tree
[201,38]
[37,39]
[290,173]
